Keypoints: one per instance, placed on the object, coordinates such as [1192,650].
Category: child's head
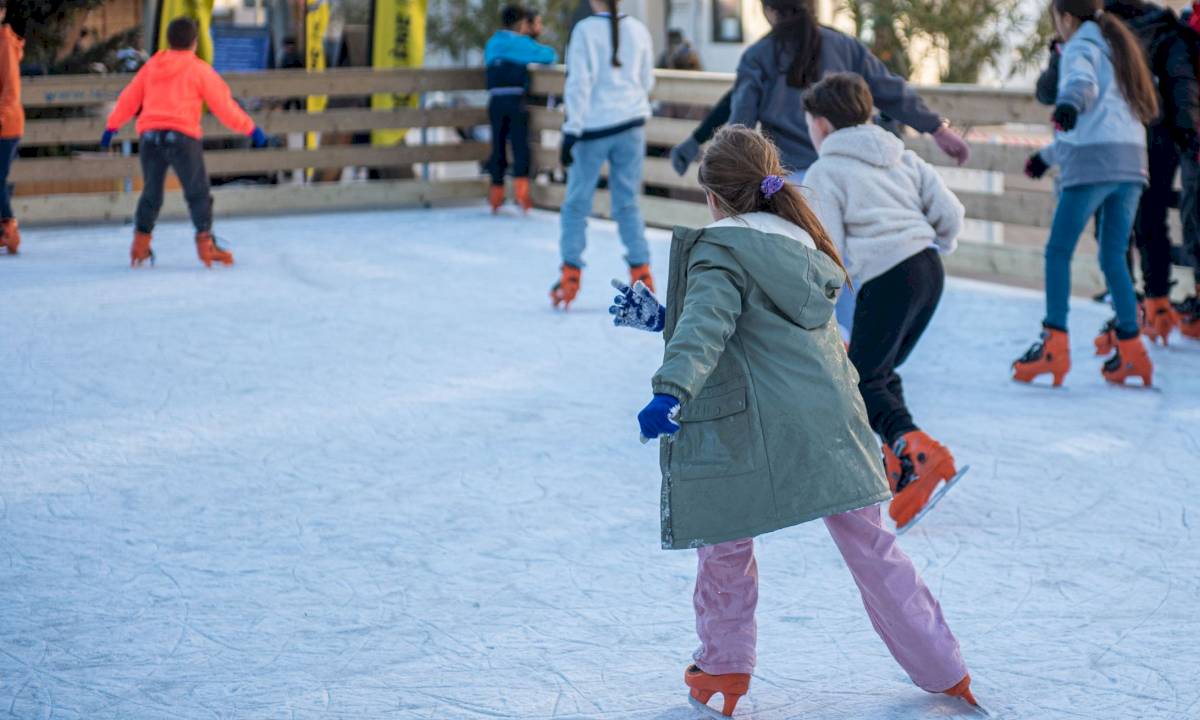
[514,17]
[535,26]
[839,100]
[741,174]
[182,34]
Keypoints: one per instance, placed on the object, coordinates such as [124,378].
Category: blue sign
[240,49]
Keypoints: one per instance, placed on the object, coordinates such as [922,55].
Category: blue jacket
[1108,143]
[506,55]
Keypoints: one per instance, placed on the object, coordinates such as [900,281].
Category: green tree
[970,35]
[461,26]
[44,25]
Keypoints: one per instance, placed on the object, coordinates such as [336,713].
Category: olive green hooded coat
[773,429]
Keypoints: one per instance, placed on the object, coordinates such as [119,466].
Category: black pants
[510,124]
[893,310]
[163,149]
[1151,237]
[8,153]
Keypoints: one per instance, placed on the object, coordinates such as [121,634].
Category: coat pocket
[715,438]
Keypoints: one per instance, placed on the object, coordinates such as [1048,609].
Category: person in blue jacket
[507,56]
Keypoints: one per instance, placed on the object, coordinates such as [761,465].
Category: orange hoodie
[12,113]
[169,93]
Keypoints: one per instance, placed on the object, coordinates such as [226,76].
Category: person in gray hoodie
[773,73]
[1105,97]
[890,216]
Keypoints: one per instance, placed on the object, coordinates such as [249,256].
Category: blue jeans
[8,153]
[625,153]
[1117,204]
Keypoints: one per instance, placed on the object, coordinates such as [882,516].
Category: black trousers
[893,311]
[159,151]
[1151,237]
[510,125]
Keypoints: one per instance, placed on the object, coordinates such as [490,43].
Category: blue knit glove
[106,139]
[636,307]
[656,419]
[258,137]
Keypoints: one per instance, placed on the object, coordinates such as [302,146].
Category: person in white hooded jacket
[890,216]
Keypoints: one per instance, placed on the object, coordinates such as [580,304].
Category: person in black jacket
[1172,51]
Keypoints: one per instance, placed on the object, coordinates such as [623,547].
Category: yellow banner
[316,24]
[198,10]
[397,41]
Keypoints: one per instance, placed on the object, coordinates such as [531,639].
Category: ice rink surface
[368,473]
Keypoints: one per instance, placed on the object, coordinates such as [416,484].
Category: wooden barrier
[1023,208]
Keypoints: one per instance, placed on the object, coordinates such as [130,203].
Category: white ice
[368,473]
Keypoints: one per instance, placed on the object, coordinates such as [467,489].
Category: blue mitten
[636,307]
[657,418]
[258,137]
[107,138]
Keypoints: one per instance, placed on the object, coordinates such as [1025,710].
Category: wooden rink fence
[1023,208]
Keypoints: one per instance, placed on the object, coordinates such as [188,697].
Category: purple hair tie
[770,185]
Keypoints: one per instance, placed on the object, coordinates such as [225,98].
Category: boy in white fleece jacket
[890,216]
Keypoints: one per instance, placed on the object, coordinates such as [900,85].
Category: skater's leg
[587,158]
[1150,226]
[927,279]
[725,598]
[1075,205]
[187,160]
[499,118]
[1120,207]
[8,153]
[626,156]
[1189,211]
[903,611]
[153,157]
[888,309]
[518,137]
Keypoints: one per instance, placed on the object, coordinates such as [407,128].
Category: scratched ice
[368,473]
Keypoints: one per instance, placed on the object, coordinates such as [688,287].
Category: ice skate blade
[705,710]
[934,500]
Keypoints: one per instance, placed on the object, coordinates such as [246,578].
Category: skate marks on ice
[390,482]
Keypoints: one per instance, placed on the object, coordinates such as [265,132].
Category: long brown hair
[733,169]
[1129,59]
[797,34]
[614,24]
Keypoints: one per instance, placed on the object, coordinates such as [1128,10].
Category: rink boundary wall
[1024,207]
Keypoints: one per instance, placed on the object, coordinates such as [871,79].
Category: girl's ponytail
[614,23]
[797,34]
[1129,59]
[741,169]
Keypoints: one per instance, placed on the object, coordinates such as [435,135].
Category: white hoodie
[880,203]
[597,94]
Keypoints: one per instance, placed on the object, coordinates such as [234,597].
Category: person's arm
[712,304]
[526,50]
[577,92]
[129,102]
[942,207]
[10,78]
[1047,83]
[718,116]
[893,95]
[220,101]
[748,89]
[647,62]
[827,201]
[1079,85]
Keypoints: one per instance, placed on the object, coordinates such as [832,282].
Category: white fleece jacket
[598,95]
[880,203]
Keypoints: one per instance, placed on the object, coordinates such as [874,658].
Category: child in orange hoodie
[12,124]
[168,95]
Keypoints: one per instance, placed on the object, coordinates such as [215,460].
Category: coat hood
[167,65]
[870,144]
[800,280]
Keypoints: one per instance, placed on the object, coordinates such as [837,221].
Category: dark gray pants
[892,312]
[161,150]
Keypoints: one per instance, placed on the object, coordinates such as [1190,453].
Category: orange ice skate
[564,291]
[140,251]
[521,190]
[496,198]
[210,252]
[923,463]
[641,272]
[1051,354]
[732,687]
[1131,360]
[1158,319]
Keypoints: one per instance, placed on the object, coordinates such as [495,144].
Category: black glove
[1064,117]
[564,155]
[1035,166]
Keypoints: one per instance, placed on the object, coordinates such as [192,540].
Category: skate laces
[907,470]
[1035,350]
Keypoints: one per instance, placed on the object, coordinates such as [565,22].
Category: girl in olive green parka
[761,424]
